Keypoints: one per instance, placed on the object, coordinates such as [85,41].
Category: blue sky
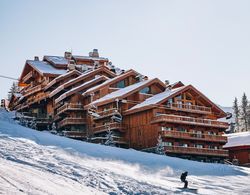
[203,43]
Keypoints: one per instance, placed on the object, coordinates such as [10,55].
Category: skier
[183,179]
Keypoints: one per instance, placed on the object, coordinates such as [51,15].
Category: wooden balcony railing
[43,121]
[189,121]
[69,106]
[37,98]
[32,90]
[120,140]
[106,113]
[112,126]
[196,151]
[75,134]
[189,108]
[72,121]
[194,136]
[27,77]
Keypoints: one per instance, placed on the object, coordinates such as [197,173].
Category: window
[120,84]
[181,129]
[145,90]
[166,128]
[199,146]
[183,145]
[167,144]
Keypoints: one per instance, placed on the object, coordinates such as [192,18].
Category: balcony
[164,118]
[189,108]
[72,121]
[112,126]
[196,151]
[75,134]
[194,136]
[27,77]
[69,106]
[37,98]
[43,121]
[33,90]
[106,113]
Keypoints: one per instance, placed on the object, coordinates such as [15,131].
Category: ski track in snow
[27,167]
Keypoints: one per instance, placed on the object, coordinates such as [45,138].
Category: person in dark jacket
[183,178]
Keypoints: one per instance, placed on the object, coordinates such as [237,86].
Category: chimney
[71,65]
[167,82]
[36,58]
[94,53]
[145,78]
[67,55]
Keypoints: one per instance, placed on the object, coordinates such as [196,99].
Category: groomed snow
[44,67]
[33,162]
[238,139]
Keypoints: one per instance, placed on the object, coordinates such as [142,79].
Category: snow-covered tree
[244,114]
[53,127]
[14,89]
[159,146]
[109,137]
[237,114]
[33,124]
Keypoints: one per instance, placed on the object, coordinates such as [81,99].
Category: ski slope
[33,162]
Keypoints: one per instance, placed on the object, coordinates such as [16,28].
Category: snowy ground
[33,162]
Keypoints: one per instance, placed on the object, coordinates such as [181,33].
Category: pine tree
[159,146]
[14,89]
[33,124]
[244,105]
[237,114]
[109,138]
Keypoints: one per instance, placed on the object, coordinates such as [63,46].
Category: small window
[167,144]
[183,145]
[166,128]
[120,84]
[145,90]
[199,146]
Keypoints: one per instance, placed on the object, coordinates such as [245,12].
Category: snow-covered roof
[157,98]
[80,87]
[89,58]
[45,68]
[238,139]
[51,83]
[57,60]
[117,78]
[122,91]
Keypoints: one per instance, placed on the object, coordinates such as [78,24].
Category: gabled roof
[45,68]
[80,78]
[57,61]
[124,92]
[111,81]
[61,77]
[42,67]
[167,94]
[81,87]
[152,101]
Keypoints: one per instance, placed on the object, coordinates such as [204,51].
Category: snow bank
[148,161]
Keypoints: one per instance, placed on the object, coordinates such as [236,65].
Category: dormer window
[145,90]
[120,84]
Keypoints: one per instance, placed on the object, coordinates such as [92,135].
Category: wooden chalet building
[239,148]
[88,98]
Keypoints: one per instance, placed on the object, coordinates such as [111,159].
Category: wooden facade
[86,98]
